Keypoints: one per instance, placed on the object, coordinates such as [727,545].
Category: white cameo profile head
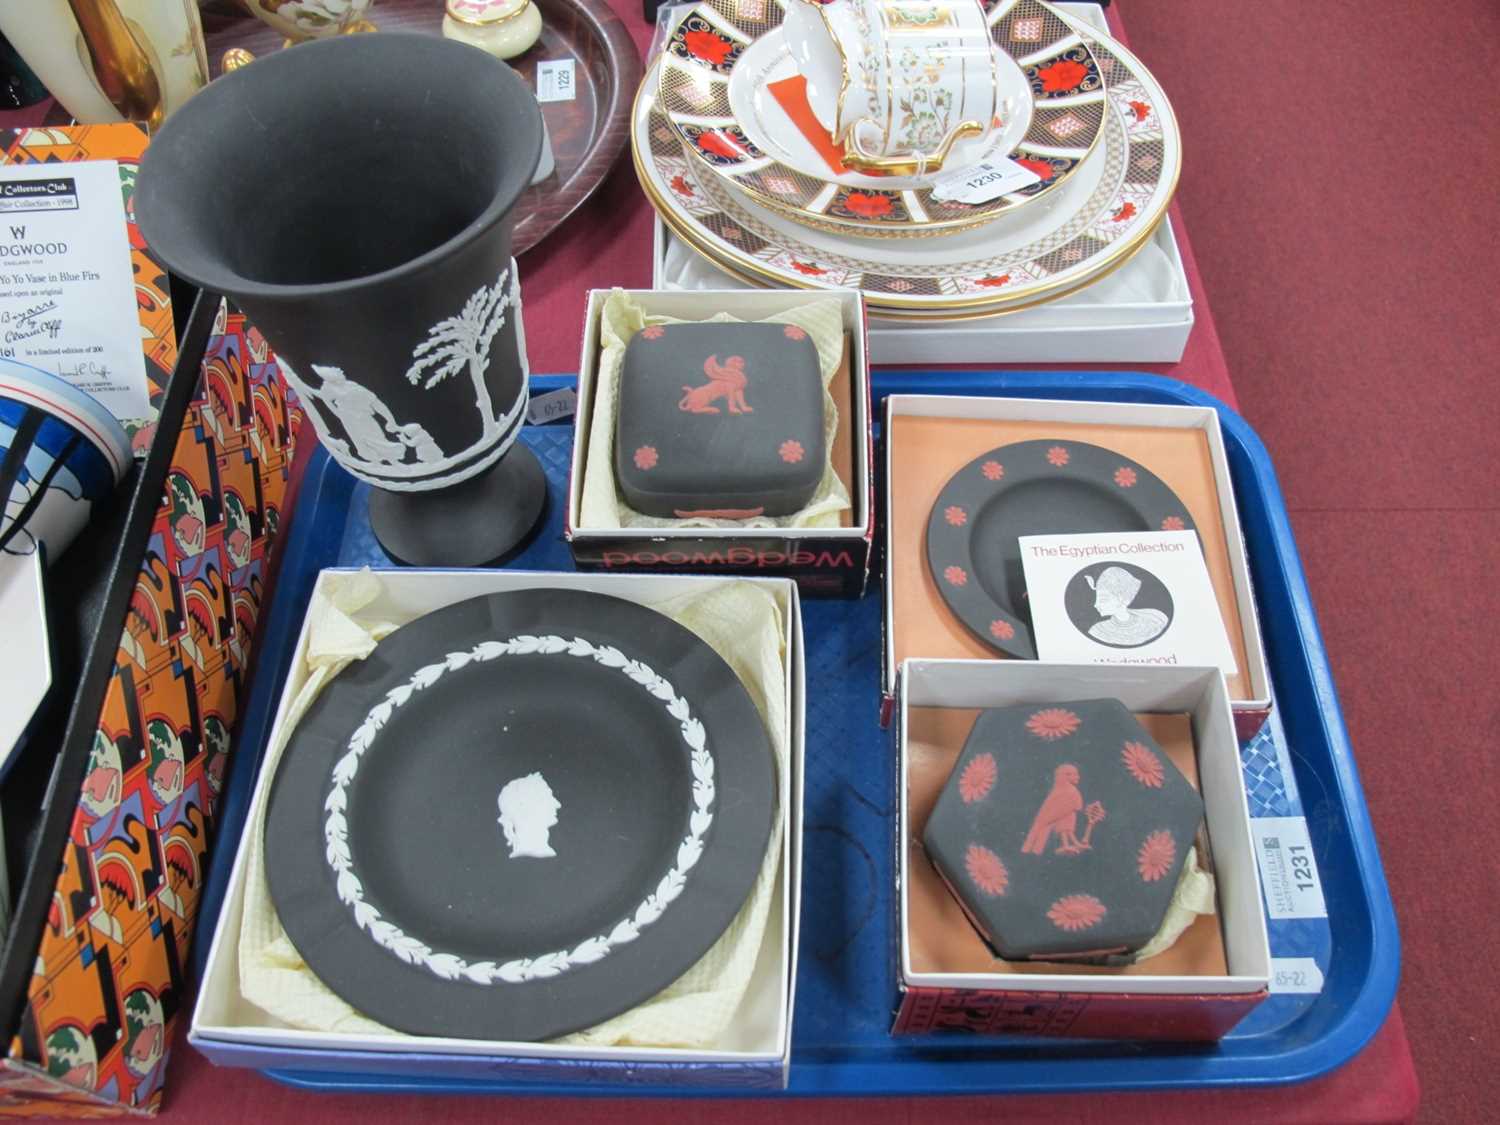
[1115,589]
[528,810]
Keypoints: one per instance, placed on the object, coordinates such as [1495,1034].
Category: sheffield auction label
[1288,871]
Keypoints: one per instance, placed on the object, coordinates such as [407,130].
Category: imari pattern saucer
[1101,215]
[715,83]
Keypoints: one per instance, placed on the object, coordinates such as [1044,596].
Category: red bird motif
[1059,813]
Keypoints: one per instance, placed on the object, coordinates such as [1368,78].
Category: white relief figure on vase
[528,810]
[368,424]
[374,441]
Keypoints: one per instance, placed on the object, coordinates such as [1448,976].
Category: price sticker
[554,81]
[1296,974]
[552,406]
[983,182]
[1288,872]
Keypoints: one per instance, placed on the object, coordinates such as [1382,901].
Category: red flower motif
[654,331]
[1126,211]
[1076,912]
[1053,723]
[1140,109]
[1002,630]
[720,143]
[956,575]
[1156,855]
[807,268]
[992,470]
[1064,74]
[1143,765]
[978,778]
[1058,456]
[868,205]
[1125,476]
[1042,168]
[993,281]
[645,458]
[986,870]
[955,515]
[681,186]
[792,332]
[1172,523]
[707,46]
[791,451]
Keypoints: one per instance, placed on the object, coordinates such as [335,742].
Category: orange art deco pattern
[109,983]
[124,143]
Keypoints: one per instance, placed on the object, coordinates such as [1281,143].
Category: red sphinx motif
[726,381]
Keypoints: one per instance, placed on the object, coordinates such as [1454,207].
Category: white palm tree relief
[463,341]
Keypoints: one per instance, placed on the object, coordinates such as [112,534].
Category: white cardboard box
[1167,1007]
[841,552]
[1077,328]
[756,1049]
[1249,712]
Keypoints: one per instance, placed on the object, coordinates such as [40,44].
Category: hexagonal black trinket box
[720,420]
[1062,830]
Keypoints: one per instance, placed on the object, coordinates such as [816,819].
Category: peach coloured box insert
[925,452]
[940,937]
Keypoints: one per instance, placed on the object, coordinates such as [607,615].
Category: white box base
[232,1032]
[1200,692]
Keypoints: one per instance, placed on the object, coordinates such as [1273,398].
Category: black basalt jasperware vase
[353,196]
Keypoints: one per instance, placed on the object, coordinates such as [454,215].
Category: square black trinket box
[720,420]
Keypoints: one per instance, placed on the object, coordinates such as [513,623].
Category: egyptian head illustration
[1059,814]
[145,1038]
[166,768]
[528,810]
[1114,591]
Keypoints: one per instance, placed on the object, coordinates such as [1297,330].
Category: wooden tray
[588,133]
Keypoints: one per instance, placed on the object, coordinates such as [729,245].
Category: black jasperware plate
[1043,487]
[519,816]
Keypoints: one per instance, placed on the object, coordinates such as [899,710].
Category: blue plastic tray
[845,989]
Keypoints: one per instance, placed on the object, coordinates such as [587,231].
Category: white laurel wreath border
[449,966]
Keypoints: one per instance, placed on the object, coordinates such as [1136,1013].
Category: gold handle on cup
[912,164]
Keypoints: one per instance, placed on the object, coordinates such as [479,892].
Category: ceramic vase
[308,19]
[367,233]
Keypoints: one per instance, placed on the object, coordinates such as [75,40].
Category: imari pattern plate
[715,86]
[519,816]
[1095,220]
[1039,487]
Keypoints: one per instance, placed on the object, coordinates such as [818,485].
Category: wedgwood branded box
[927,438]
[946,978]
[753,1051]
[824,561]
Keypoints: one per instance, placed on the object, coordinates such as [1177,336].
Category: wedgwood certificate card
[1124,598]
[67,291]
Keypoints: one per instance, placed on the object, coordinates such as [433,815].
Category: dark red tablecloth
[608,242]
